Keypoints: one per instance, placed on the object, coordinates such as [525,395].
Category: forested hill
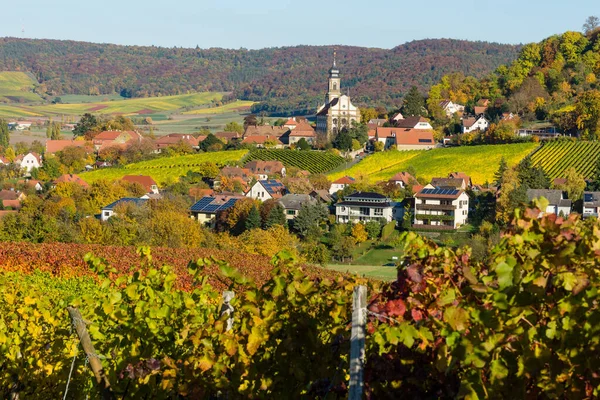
[289,74]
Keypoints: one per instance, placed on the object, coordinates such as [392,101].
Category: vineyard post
[357,341]
[227,308]
[88,348]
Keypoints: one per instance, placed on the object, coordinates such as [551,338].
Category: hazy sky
[269,23]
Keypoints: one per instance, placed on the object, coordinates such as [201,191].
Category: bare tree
[591,23]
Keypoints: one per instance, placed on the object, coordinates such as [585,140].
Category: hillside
[479,162]
[553,82]
[292,75]
[556,157]
[165,169]
[16,87]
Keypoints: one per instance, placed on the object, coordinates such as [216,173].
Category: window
[290,212]
[365,211]
[343,209]
[378,212]
[106,213]
[334,86]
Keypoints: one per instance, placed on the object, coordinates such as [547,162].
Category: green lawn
[235,106]
[371,271]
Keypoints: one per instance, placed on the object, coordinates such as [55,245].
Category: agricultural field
[315,162]
[556,157]
[165,169]
[479,162]
[137,106]
[16,87]
[238,105]
[377,162]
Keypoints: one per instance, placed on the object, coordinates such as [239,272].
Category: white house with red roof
[451,108]
[147,182]
[403,179]
[301,131]
[341,184]
[29,161]
[473,124]
[173,139]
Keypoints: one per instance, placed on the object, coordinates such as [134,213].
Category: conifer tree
[253,219]
[500,173]
[4,134]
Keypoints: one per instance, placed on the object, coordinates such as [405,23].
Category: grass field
[166,169]
[17,87]
[238,105]
[384,273]
[479,162]
[138,106]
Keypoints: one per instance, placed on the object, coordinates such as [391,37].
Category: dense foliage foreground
[525,325]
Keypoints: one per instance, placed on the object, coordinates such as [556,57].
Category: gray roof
[296,201]
[591,199]
[447,182]
[554,197]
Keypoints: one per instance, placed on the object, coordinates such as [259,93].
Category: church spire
[334,53]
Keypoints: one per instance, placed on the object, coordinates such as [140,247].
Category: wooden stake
[357,342]
[227,308]
[88,348]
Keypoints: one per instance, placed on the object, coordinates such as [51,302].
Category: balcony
[435,207]
[433,217]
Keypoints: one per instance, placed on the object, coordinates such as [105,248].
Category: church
[338,112]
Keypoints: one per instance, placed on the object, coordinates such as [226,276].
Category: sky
[275,23]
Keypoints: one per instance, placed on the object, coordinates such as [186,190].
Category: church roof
[325,110]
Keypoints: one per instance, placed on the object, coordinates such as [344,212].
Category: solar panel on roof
[228,204]
[211,208]
[588,197]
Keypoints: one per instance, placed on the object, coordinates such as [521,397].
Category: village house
[205,210]
[473,124]
[262,141]
[54,146]
[364,207]
[20,125]
[591,204]
[31,183]
[264,169]
[447,183]
[146,181]
[109,210]
[115,139]
[377,122]
[237,172]
[414,122]
[227,137]
[322,196]
[440,208]
[461,175]
[265,130]
[11,199]
[340,184]
[173,139]
[266,190]
[479,110]
[71,178]
[301,131]
[451,108]
[29,161]
[292,203]
[397,117]
[403,179]
[291,123]
[405,138]
[557,202]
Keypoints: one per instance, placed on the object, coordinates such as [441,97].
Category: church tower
[334,90]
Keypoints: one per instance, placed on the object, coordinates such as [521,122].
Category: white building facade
[364,207]
[440,208]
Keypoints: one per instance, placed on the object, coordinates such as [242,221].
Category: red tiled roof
[291,121]
[403,177]
[8,195]
[480,110]
[143,180]
[405,136]
[71,178]
[254,130]
[345,180]
[14,204]
[303,129]
[54,146]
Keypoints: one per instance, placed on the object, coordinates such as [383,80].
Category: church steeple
[334,90]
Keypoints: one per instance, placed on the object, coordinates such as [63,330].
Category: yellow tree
[359,233]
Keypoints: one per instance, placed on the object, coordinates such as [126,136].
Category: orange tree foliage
[67,260]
